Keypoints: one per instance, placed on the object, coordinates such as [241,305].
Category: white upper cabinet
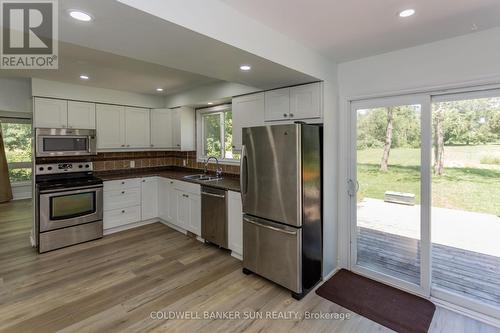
[110,120]
[161,128]
[305,101]
[149,198]
[295,103]
[277,104]
[81,115]
[183,128]
[50,113]
[248,111]
[137,128]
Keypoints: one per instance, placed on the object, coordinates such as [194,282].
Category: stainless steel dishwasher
[214,215]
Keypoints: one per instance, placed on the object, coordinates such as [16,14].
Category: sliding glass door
[424,185]
[466,200]
[386,186]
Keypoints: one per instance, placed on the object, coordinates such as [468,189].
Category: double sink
[202,177]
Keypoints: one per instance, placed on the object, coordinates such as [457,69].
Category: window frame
[19,118]
[200,142]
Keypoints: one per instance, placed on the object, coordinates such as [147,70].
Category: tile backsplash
[147,159]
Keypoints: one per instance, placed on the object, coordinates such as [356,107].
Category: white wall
[205,16]
[217,20]
[54,89]
[15,95]
[208,93]
[458,62]
[469,58]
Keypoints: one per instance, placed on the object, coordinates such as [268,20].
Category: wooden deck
[466,273]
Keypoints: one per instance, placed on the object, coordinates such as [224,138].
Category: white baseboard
[237,255]
[173,226]
[330,274]
[129,226]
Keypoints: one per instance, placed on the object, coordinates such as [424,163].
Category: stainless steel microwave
[52,142]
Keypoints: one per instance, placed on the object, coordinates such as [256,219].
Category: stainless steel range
[69,205]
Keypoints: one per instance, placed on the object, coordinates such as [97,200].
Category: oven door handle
[73,190]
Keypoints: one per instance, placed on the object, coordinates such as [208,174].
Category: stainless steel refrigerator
[282,196]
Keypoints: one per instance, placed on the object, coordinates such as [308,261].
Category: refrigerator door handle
[270,227]
[243,171]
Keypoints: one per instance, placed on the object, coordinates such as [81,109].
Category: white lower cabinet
[120,217]
[188,204]
[121,202]
[140,199]
[235,224]
[149,198]
[167,207]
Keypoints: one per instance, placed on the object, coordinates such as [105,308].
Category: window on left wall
[17,135]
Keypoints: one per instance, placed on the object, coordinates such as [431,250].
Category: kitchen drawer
[187,187]
[121,184]
[123,216]
[126,197]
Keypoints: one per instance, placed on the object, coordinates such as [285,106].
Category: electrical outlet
[132,164]
[184,162]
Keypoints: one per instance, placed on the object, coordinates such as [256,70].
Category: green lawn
[466,188]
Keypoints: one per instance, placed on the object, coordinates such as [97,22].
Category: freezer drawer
[273,251]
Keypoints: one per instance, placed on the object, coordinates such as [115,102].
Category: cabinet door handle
[291,115]
[285,115]
[123,211]
[123,183]
[128,145]
[152,145]
[123,145]
[123,192]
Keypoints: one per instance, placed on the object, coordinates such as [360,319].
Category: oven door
[65,208]
[65,142]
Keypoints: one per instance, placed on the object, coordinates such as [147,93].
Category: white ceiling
[127,49]
[112,71]
[351,29]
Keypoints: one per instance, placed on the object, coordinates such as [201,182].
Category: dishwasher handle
[222,196]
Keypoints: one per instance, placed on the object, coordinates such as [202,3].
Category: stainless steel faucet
[218,170]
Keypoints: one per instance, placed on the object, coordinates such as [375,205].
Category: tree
[388,139]
[438,141]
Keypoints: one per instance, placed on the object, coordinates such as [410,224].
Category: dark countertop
[228,182]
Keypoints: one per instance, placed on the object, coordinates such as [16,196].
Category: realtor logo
[29,34]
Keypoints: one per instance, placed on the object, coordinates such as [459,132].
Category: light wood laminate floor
[114,284]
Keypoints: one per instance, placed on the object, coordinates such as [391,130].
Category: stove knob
[87,166]
[80,166]
[40,168]
[49,168]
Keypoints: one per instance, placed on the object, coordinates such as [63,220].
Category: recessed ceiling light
[245,67]
[210,103]
[159,89]
[80,16]
[84,77]
[407,12]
